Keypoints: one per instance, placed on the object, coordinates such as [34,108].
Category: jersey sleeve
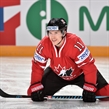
[85,61]
[38,63]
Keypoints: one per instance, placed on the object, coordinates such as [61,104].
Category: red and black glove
[36,92]
[89,92]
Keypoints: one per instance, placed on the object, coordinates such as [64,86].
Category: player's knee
[103,91]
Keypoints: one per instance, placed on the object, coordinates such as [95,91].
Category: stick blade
[5,95]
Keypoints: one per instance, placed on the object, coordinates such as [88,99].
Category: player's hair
[59,22]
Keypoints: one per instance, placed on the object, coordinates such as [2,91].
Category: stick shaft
[6,95]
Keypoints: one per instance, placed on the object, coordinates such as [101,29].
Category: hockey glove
[36,92]
[89,93]
[37,96]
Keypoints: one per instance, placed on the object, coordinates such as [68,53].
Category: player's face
[55,37]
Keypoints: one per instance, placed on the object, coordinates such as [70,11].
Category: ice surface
[15,78]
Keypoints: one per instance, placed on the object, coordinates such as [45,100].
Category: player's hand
[37,96]
[36,92]
[89,93]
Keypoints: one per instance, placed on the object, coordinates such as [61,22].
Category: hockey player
[71,63]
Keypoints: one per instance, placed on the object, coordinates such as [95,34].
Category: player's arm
[85,61]
[38,65]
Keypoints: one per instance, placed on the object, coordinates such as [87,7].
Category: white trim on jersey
[59,49]
[84,63]
[62,47]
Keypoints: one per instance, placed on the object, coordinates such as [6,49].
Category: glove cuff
[35,88]
[89,87]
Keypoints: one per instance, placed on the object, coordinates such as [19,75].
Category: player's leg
[103,91]
[52,83]
[103,86]
[79,81]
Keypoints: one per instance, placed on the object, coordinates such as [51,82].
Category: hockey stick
[6,95]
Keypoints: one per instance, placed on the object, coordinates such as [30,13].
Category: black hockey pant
[53,83]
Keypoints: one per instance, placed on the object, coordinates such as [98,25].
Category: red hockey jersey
[69,61]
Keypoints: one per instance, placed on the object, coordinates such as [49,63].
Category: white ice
[15,78]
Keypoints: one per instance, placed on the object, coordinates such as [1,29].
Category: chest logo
[63,72]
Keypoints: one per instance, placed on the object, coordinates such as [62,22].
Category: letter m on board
[84,11]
